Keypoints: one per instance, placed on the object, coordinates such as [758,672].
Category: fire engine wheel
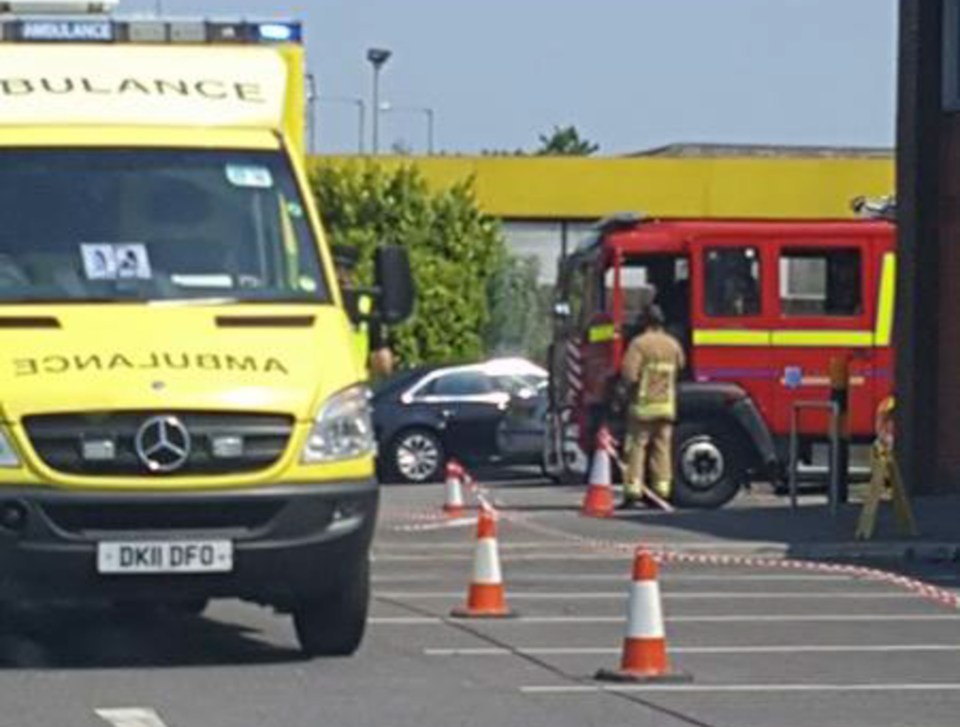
[708,473]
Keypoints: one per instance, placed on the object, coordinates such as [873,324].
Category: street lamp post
[428,112]
[377,57]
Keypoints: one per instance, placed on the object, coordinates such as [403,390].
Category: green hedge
[455,251]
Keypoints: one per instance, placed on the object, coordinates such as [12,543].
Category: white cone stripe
[486,564]
[454,494]
[644,616]
[600,469]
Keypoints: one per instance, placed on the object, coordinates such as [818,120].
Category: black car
[475,414]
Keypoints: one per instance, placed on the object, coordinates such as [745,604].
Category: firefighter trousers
[649,445]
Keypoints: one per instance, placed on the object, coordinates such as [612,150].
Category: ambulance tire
[334,625]
[708,470]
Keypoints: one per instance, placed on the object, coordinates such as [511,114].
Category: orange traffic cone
[453,489]
[645,646]
[598,501]
[486,597]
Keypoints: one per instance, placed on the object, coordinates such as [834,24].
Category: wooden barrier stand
[885,474]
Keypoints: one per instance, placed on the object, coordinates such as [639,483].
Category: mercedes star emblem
[163,444]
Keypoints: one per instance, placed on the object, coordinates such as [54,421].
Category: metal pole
[312,112]
[429,131]
[361,115]
[159,8]
[835,474]
[376,109]
[840,395]
[794,456]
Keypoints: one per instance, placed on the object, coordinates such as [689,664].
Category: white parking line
[622,578]
[703,650]
[765,618]
[457,558]
[625,555]
[678,596]
[131,717]
[745,688]
[395,547]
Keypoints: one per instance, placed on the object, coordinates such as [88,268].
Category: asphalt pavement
[767,641]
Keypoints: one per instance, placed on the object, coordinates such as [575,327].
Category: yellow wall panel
[588,188]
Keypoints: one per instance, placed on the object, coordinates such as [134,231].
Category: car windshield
[111,225]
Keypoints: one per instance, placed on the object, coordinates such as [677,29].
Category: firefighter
[651,366]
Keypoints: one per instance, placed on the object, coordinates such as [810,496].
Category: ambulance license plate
[142,557]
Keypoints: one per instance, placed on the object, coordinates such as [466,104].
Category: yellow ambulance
[181,413]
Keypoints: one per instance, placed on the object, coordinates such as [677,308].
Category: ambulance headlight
[8,455]
[343,428]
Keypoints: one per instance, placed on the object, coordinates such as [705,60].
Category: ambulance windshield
[111,225]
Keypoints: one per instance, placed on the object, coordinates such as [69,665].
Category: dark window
[821,282]
[732,282]
[462,384]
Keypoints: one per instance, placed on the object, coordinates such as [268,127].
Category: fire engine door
[733,308]
[667,279]
[823,311]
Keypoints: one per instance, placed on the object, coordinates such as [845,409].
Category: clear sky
[630,74]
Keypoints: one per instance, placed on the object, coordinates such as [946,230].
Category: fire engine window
[732,282]
[821,282]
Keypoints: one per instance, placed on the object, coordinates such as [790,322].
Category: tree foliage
[454,250]
[565,141]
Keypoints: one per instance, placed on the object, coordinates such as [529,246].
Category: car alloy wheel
[418,456]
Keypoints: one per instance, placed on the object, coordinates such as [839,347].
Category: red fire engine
[761,308]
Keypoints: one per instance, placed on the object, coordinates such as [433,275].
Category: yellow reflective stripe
[799,339]
[883,334]
[600,334]
[365,304]
[731,338]
[823,338]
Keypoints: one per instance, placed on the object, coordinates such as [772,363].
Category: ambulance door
[732,313]
[824,311]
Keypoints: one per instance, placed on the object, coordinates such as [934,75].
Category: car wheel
[707,469]
[334,626]
[416,455]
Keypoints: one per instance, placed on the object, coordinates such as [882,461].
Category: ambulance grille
[60,440]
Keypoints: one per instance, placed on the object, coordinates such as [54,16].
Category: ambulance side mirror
[394,282]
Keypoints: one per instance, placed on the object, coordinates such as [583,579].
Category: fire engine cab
[761,307]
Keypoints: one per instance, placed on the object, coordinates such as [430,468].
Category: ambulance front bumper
[285,544]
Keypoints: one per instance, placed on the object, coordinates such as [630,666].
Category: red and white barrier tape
[667,556]
[427,519]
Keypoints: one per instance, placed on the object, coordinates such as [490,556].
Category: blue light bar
[53,29]
[280,32]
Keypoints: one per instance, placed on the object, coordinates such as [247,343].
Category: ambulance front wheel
[707,469]
[334,626]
